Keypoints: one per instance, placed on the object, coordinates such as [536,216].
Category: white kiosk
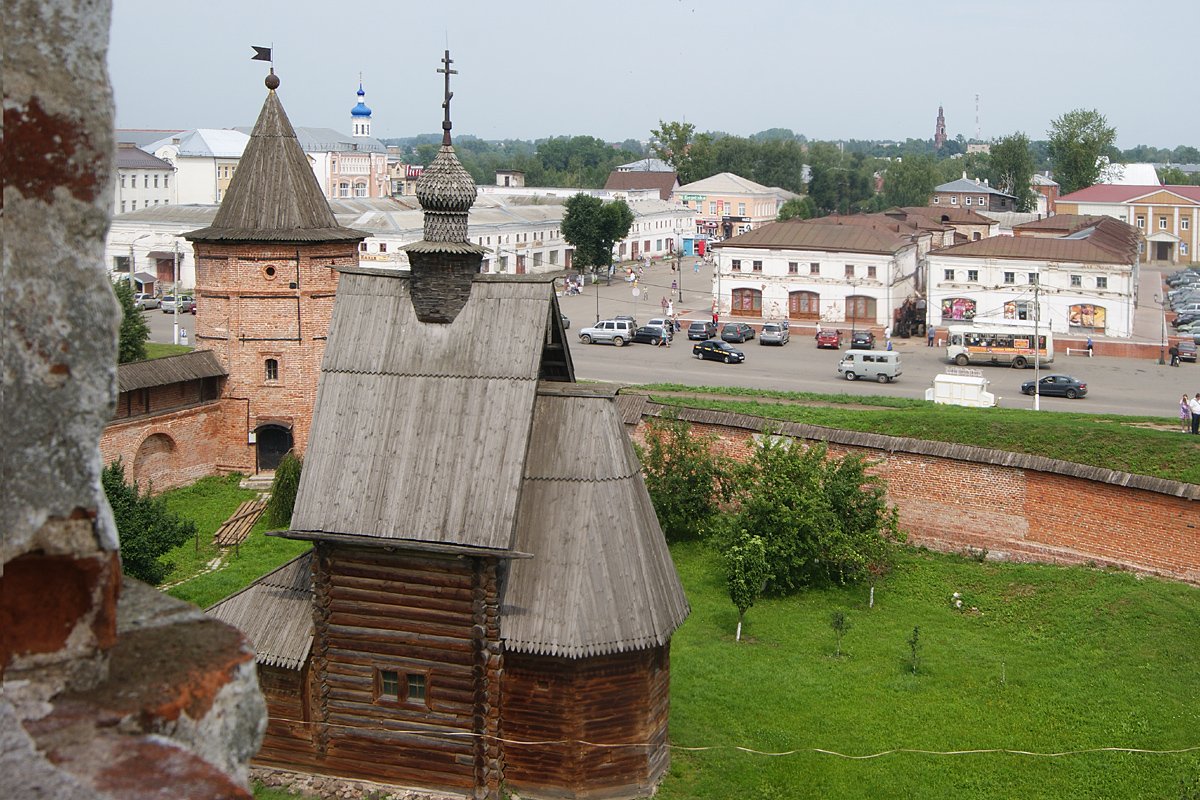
[961,387]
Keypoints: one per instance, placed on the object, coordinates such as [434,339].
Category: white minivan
[882,365]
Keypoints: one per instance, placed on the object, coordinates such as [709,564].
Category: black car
[648,334]
[862,340]
[737,332]
[702,330]
[716,350]
[1056,386]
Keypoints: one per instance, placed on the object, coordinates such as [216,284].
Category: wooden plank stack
[235,529]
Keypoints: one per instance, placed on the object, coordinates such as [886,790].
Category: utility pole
[177,297]
[1037,352]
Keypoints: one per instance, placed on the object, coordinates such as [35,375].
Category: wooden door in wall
[273,442]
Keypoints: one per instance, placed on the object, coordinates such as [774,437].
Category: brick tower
[265,282]
[939,131]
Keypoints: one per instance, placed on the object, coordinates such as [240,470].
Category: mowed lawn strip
[1051,659]
[209,502]
[1139,445]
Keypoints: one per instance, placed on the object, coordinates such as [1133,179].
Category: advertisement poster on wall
[1086,315]
[958,308]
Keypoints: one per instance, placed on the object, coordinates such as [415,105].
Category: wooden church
[489,600]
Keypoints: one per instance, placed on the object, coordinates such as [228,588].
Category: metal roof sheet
[797,234]
[205,143]
[601,579]
[275,613]
[969,186]
[171,369]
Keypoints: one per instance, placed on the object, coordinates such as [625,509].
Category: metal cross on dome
[445,70]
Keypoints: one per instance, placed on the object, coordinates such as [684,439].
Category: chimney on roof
[964,174]
[986,181]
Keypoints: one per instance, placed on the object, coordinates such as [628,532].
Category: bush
[823,520]
[684,478]
[147,529]
[745,574]
[283,491]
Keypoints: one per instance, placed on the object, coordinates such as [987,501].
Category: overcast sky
[837,69]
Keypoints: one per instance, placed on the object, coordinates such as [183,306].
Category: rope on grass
[739,748]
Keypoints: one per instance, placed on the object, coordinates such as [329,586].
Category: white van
[882,365]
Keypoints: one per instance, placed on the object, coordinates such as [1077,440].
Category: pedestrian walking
[716,319]
[663,303]
[932,332]
[1194,407]
[1174,353]
[1089,346]
[1185,414]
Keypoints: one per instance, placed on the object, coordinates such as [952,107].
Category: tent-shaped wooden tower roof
[273,195]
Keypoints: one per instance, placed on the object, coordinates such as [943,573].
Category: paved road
[1115,385]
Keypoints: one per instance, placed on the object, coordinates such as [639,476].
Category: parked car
[612,331]
[664,323]
[1187,351]
[774,333]
[736,332]
[829,338]
[649,334]
[186,304]
[1056,386]
[717,350]
[566,321]
[627,318]
[143,301]
[702,330]
[862,340]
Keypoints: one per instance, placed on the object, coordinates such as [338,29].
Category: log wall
[582,705]
[289,737]
[408,613]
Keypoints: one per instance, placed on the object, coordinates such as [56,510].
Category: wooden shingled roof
[172,369]
[275,612]
[601,579]
[420,429]
[274,195]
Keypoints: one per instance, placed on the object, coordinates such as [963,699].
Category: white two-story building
[817,272]
[1082,283]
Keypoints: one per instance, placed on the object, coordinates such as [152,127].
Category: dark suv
[862,340]
[702,330]
[736,332]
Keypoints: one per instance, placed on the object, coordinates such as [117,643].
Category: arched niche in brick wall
[154,458]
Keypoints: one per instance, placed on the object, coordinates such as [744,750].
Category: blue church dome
[360,110]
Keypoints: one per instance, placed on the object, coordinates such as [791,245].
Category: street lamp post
[1162,338]
[176,315]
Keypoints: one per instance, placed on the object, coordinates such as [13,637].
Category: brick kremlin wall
[1017,507]
[176,448]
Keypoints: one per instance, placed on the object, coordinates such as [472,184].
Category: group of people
[1189,414]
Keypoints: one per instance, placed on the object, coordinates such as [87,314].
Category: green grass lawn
[1140,445]
[158,350]
[1054,659]
[208,503]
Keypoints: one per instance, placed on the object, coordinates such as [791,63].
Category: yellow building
[1167,216]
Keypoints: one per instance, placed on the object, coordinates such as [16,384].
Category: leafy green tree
[146,528]
[1172,176]
[1184,154]
[840,624]
[593,227]
[797,208]
[910,182]
[1077,141]
[134,332]
[678,144]
[1011,168]
[684,478]
[823,520]
[746,574]
[283,490]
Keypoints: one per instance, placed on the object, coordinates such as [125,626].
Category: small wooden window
[272,369]
[416,688]
[389,684]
